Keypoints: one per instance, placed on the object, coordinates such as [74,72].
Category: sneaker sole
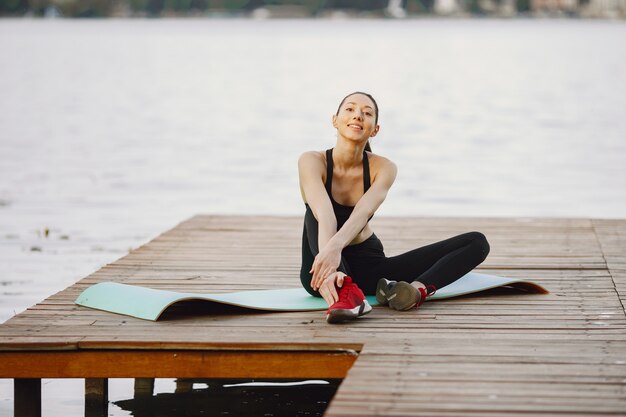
[382,291]
[403,296]
[339,315]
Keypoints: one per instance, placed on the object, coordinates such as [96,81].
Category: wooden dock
[498,354]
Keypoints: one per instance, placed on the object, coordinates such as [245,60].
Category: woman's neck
[347,154]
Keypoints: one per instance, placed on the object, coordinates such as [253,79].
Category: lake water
[112,131]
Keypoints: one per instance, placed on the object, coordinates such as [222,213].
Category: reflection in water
[237,398]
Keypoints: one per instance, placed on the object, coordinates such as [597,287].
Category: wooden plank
[174,364]
[611,237]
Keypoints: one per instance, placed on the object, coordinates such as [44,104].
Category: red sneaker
[352,303]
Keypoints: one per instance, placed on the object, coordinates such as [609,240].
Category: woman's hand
[326,262]
[328,290]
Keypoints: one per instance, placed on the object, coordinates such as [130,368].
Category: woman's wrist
[335,244]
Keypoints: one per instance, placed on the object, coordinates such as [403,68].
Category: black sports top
[342,213]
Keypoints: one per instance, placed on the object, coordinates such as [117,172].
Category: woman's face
[356,118]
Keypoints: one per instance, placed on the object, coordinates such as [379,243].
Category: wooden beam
[175,364]
[27,394]
[96,397]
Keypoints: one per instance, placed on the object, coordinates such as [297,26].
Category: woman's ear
[375,131]
[334,119]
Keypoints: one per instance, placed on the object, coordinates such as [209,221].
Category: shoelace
[425,292]
[345,291]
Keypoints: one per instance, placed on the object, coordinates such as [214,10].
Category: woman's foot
[401,295]
[383,290]
[351,304]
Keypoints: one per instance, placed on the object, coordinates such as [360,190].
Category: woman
[341,256]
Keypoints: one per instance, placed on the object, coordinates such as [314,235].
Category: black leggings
[437,264]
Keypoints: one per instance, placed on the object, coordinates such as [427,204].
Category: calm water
[114,131]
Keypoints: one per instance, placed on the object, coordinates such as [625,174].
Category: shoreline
[505,10]
[348,17]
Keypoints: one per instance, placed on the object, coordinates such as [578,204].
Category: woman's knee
[480,243]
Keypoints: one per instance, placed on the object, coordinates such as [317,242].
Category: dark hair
[367,146]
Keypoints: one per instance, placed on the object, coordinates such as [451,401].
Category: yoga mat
[149,303]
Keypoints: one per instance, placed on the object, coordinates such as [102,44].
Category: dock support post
[27,394]
[144,387]
[96,397]
[183,385]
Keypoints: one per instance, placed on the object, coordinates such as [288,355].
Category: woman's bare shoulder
[381,163]
[312,159]
[312,155]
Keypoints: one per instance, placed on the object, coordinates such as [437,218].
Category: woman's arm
[311,168]
[329,255]
[366,206]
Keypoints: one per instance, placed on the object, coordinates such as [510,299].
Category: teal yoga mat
[149,303]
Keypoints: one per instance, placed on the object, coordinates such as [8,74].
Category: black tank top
[342,213]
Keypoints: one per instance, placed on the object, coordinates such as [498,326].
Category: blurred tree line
[104,8]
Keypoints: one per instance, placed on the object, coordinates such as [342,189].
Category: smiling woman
[369,112]
[342,188]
